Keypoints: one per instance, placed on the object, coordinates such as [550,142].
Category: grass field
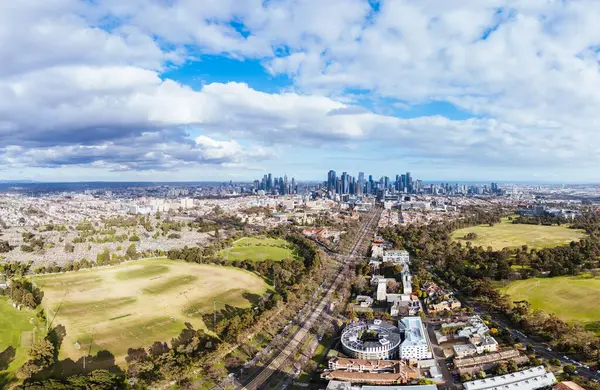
[258,249]
[137,303]
[571,298]
[16,335]
[509,235]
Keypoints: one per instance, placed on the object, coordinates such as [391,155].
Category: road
[540,349]
[438,354]
[296,342]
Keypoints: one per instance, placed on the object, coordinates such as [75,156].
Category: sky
[193,90]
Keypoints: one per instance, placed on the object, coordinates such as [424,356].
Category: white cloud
[79,80]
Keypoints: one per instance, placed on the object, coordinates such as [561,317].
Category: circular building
[374,340]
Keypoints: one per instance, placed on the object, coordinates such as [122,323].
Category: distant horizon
[425,181]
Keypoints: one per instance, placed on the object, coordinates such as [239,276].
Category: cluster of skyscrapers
[403,184]
[276,186]
[346,184]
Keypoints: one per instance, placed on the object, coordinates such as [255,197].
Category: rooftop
[532,378]
[414,332]
[363,336]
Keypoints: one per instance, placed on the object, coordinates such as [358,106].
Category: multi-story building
[478,345]
[382,372]
[486,359]
[396,256]
[406,280]
[531,379]
[415,345]
[381,290]
[375,340]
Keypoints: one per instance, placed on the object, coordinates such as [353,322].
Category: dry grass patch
[137,303]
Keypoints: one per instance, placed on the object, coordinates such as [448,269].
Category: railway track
[286,355]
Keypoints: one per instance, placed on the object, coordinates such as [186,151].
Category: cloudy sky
[229,89]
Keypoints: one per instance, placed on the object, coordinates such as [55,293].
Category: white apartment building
[476,327]
[376,250]
[396,256]
[406,280]
[531,379]
[382,290]
[187,203]
[414,345]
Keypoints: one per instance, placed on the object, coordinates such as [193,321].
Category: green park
[258,249]
[16,336]
[572,298]
[508,235]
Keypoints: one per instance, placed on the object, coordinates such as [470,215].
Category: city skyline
[190,92]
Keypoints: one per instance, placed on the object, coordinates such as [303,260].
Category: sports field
[16,335]
[509,235]
[258,249]
[137,303]
[571,298]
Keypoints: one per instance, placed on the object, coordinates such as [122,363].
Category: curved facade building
[371,340]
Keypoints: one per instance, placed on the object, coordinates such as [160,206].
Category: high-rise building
[361,183]
[409,183]
[331,181]
[270,183]
[345,183]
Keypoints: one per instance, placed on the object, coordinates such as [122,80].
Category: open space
[509,235]
[571,298]
[137,303]
[16,335]
[258,249]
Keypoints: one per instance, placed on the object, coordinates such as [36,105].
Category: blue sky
[183,90]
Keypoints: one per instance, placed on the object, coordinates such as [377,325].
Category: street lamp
[78,347]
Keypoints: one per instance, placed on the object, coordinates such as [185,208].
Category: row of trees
[95,380]
[163,362]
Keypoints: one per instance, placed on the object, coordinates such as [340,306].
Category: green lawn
[137,303]
[509,235]
[571,298]
[258,249]
[15,325]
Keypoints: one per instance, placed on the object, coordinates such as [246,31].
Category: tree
[554,362]
[42,353]
[103,258]
[4,247]
[131,252]
[569,369]
[69,247]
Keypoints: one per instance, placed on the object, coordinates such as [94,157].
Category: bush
[26,248]
[132,252]
[134,238]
